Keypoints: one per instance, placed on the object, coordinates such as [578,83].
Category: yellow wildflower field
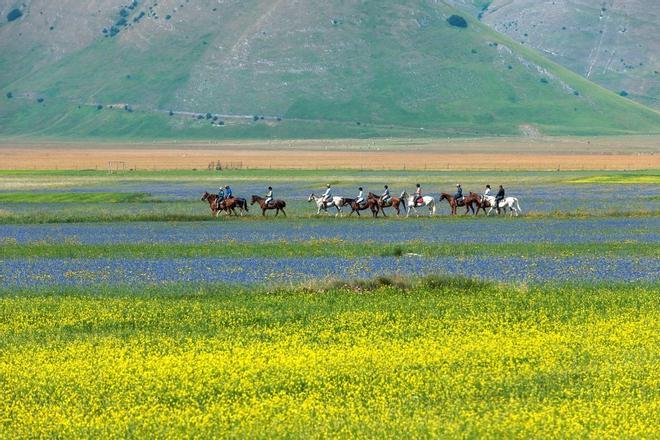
[487,361]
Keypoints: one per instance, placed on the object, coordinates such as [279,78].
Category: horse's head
[255,199]
[444,196]
[205,196]
[311,197]
[404,195]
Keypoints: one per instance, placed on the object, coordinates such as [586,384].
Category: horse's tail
[515,199]
[283,204]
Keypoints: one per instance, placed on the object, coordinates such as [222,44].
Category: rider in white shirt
[269,196]
[360,197]
[327,195]
[418,195]
[487,191]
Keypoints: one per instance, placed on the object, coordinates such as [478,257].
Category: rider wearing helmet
[498,198]
[487,191]
[418,195]
[459,193]
[228,192]
[385,197]
[327,195]
[269,196]
[360,197]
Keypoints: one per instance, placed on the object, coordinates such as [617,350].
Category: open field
[126,310]
[594,153]
[440,357]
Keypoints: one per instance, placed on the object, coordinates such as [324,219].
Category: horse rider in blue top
[385,197]
[221,194]
[228,192]
[459,193]
[269,196]
[498,198]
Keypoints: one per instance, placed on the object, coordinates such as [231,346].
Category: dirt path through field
[508,154]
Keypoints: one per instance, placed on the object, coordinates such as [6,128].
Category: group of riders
[225,193]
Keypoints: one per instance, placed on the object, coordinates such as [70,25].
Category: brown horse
[212,199]
[229,205]
[482,204]
[394,202]
[276,204]
[357,207]
[468,201]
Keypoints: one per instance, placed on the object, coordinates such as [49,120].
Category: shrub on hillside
[40,100]
[99,107]
[623,93]
[10,95]
[14,14]
[457,21]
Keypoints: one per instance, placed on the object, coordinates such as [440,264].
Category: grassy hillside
[257,68]
[612,43]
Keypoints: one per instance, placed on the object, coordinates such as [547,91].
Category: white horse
[427,201]
[335,202]
[508,202]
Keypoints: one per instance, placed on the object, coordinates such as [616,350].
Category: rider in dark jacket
[459,193]
[498,198]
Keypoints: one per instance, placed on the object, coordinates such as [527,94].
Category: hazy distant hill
[615,43]
[309,68]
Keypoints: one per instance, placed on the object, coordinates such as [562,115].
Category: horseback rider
[459,193]
[360,197]
[487,191]
[419,200]
[498,198]
[385,197]
[327,196]
[221,196]
[228,192]
[269,196]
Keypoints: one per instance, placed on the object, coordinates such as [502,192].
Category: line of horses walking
[405,202]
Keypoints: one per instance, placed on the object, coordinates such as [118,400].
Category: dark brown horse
[394,202]
[467,201]
[357,207]
[276,204]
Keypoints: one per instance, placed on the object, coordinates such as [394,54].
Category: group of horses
[406,202]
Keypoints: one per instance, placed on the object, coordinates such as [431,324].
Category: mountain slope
[611,42]
[322,69]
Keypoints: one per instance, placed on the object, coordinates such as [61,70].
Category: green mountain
[613,43]
[273,68]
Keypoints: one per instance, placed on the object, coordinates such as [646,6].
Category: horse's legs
[263,212]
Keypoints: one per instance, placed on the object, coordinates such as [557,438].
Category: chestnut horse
[212,199]
[229,205]
[394,202]
[368,204]
[468,201]
[276,204]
